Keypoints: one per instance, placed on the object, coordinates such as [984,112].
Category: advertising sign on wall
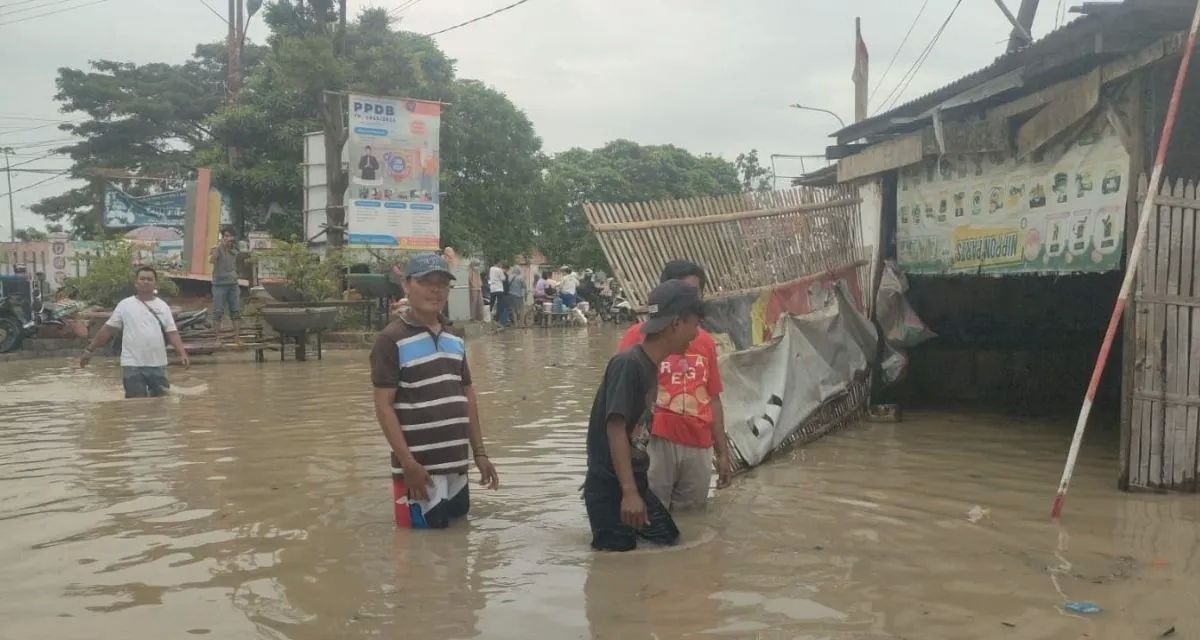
[1063,212]
[394,160]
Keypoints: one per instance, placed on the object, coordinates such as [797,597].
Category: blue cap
[424,264]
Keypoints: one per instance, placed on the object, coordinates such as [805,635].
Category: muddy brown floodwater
[255,503]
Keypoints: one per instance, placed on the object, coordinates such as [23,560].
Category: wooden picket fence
[745,242]
[1160,445]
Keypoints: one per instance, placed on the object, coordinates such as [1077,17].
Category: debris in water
[1009,625]
[1168,633]
[1081,607]
[978,513]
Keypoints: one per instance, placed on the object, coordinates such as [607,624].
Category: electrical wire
[17,3]
[17,117]
[214,11]
[404,7]
[53,3]
[898,50]
[51,13]
[474,20]
[907,79]
[37,159]
[38,183]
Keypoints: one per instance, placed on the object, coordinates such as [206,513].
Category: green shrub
[110,275]
[312,276]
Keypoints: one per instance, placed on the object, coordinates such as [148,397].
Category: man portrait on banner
[368,164]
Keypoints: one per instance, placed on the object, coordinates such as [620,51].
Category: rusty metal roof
[1132,23]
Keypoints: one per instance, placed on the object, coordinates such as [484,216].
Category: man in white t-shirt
[496,288]
[146,325]
[568,286]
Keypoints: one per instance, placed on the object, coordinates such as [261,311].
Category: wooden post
[1135,110]
[1023,30]
[98,203]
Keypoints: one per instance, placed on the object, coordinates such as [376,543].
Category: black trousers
[602,497]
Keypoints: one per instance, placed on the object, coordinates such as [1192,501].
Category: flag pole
[1135,255]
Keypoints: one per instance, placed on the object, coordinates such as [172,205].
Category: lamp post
[820,110]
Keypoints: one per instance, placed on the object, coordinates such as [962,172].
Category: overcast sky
[712,76]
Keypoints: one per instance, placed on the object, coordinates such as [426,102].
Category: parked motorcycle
[15,326]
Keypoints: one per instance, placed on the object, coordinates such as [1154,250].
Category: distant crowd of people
[500,292]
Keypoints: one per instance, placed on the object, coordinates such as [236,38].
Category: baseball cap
[424,264]
[670,301]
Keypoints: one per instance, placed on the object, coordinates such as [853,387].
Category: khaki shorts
[680,476]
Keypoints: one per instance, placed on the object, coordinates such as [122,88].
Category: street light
[820,110]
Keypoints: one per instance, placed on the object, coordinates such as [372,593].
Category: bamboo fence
[745,242]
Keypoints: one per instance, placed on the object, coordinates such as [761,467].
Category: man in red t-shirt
[689,421]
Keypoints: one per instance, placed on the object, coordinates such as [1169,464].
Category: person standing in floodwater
[620,506]
[146,326]
[689,419]
[226,293]
[425,403]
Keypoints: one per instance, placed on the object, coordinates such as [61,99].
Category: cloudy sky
[712,76]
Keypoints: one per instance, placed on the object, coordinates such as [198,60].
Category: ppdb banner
[394,158]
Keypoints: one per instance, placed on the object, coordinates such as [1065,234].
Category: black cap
[670,301]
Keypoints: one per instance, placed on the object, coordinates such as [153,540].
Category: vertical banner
[394,160]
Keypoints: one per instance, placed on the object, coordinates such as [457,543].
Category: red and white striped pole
[1135,256]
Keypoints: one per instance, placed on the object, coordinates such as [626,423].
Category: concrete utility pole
[1022,33]
[12,216]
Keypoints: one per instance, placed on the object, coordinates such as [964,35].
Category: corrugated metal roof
[1151,18]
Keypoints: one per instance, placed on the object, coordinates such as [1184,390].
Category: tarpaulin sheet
[772,390]
[749,319]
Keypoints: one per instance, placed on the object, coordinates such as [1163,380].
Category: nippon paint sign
[980,213]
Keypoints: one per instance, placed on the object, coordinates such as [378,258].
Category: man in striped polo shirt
[425,403]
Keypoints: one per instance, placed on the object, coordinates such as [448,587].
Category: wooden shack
[1010,201]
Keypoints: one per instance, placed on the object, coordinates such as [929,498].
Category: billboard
[1063,212]
[123,211]
[393,160]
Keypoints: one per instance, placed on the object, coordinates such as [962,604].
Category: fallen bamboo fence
[745,242]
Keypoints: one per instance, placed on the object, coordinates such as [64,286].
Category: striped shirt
[430,375]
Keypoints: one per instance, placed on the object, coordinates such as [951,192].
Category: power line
[52,13]
[214,11]
[919,62]
[35,7]
[31,118]
[898,50]
[17,3]
[404,7]
[474,20]
[38,183]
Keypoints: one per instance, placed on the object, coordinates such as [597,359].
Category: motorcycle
[20,320]
[13,325]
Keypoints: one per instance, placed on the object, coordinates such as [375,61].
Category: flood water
[256,504]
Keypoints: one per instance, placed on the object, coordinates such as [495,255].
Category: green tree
[621,171]
[491,173]
[752,175]
[110,275]
[142,119]
[30,234]
[491,158]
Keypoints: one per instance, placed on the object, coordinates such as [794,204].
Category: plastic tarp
[773,389]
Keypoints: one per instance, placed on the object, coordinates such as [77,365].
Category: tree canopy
[621,171]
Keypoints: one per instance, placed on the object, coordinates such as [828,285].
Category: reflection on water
[254,503]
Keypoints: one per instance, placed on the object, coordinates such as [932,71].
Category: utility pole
[12,216]
[1022,33]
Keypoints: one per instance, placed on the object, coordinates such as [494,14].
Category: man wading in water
[620,506]
[425,404]
[689,420]
[146,326]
